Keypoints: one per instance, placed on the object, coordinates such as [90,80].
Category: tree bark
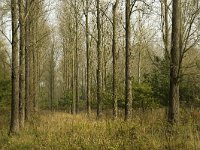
[14,124]
[173,115]
[128,84]
[99,64]
[77,61]
[21,64]
[139,49]
[73,106]
[27,69]
[166,30]
[52,78]
[34,54]
[114,53]
[88,59]
[36,67]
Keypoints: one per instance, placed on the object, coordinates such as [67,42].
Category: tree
[88,58]
[175,64]
[86,13]
[128,84]
[14,124]
[76,57]
[165,27]
[52,75]
[21,63]
[114,53]
[99,62]
[27,66]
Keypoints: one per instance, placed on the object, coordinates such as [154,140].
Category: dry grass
[59,130]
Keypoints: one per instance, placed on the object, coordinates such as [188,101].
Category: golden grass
[149,131]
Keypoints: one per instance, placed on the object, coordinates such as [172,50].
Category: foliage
[190,91]
[66,101]
[5,93]
[158,79]
[144,96]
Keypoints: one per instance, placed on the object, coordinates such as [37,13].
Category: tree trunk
[34,62]
[99,64]
[88,59]
[139,66]
[14,124]
[27,69]
[175,65]
[21,63]
[36,68]
[128,86]
[166,30]
[73,107]
[30,68]
[139,48]
[77,62]
[114,53]
[52,78]
[65,70]
[38,82]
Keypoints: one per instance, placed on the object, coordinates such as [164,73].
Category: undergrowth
[147,131]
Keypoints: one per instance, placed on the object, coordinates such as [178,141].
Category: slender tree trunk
[36,68]
[14,124]
[34,80]
[65,70]
[68,72]
[104,79]
[77,62]
[173,115]
[140,50]
[21,64]
[34,28]
[4,71]
[27,69]
[82,84]
[73,83]
[32,53]
[128,84]
[52,78]
[38,82]
[99,64]
[64,66]
[166,30]
[103,49]
[73,107]
[88,59]
[114,53]
[30,9]
[139,66]
[31,69]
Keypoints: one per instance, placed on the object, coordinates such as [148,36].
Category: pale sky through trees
[152,22]
[52,6]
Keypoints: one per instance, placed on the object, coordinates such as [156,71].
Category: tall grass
[58,130]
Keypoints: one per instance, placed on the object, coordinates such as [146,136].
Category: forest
[100,74]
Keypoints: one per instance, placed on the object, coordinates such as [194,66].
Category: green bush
[144,96]
[5,93]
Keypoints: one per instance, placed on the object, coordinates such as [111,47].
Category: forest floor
[59,131]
